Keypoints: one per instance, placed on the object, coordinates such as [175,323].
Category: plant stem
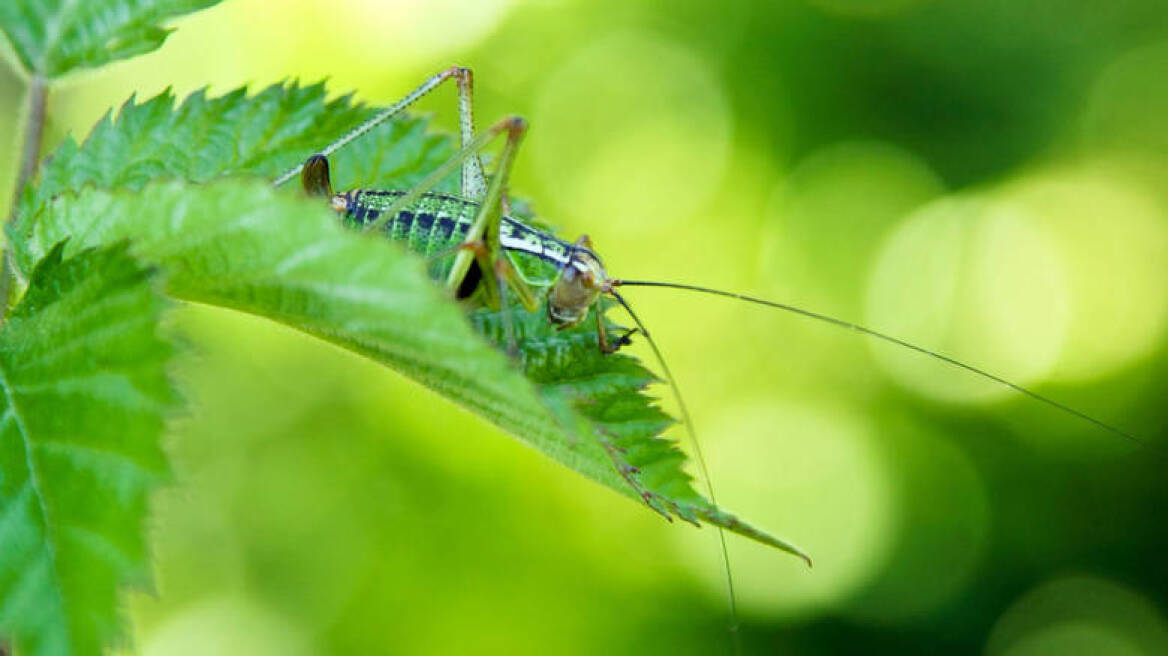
[38,96]
[34,131]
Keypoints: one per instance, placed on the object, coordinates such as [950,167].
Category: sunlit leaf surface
[248,247]
[53,37]
[83,398]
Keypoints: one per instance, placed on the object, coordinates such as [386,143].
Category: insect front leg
[497,276]
[610,346]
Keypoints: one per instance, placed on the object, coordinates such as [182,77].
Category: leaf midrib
[35,484]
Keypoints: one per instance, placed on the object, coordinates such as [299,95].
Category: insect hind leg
[473,180]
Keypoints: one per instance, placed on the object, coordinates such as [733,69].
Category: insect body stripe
[517,237]
[439,221]
[434,225]
[423,222]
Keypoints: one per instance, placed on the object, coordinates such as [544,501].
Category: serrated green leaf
[263,134]
[579,391]
[283,256]
[54,37]
[83,398]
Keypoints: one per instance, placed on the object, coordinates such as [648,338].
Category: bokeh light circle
[633,130]
[1112,237]
[416,31]
[1075,639]
[977,279]
[1130,100]
[826,217]
[872,9]
[943,520]
[227,626]
[1079,616]
[808,473]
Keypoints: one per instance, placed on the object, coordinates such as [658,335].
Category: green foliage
[54,37]
[203,138]
[608,391]
[274,129]
[247,247]
[84,396]
[82,366]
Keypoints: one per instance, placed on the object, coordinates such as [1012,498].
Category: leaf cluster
[171,200]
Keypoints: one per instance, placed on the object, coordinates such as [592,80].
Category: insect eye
[588,279]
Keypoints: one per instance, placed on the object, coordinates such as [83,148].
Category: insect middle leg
[496,269]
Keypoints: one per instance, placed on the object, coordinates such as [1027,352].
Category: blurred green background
[984,177]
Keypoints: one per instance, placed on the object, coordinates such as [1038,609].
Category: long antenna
[697,449]
[887,338]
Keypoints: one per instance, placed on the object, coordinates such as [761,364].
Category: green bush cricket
[485,256]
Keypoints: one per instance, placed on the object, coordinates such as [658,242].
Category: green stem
[38,96]
[34,131]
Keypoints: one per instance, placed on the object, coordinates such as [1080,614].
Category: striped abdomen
[438,222]
[435,223]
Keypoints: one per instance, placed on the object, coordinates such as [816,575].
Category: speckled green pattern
[438,222]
